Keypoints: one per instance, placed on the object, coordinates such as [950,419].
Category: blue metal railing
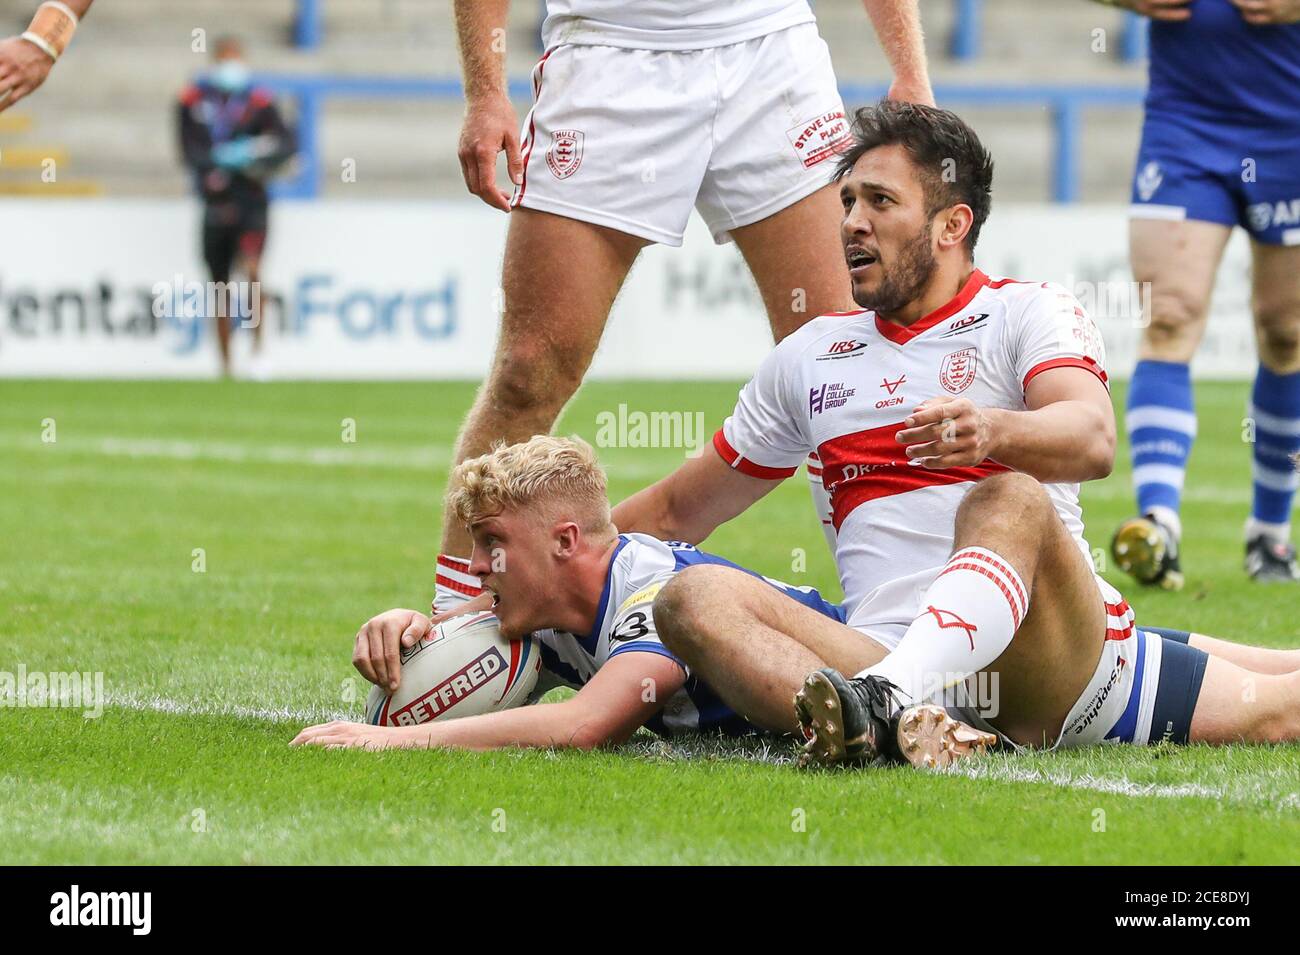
[1065,104]
[309,24]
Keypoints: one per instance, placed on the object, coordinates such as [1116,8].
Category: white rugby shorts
[633,139]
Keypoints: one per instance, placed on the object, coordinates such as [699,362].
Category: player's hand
[342,734]
[23,67]
[912,91]
[1168,10]
[947,433]
[378,646]
[1268,12]
[474,605]
[490,126]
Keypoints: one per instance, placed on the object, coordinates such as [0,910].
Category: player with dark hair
[233,139]
[1220,149]
[956,416]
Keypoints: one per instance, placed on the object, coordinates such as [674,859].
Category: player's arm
[1065,434]
[490,121]
[195,141]
[25,60]
[277,142]
[898,27]
[693,500]
[624,693]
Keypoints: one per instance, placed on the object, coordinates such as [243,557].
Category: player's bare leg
[1012,556]
[253,275]
[1240,706]
[797,260]
[1275,302]
[560,278]
[1177,261]
[1255,659]
[752,644]
[222,320]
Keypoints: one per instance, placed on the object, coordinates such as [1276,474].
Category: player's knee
[1174,324]
[1008,498]
[532,378]
[681,609]
[1278,335]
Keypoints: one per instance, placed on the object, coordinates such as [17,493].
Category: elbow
[1103,456]
[589,737]
[1103,461]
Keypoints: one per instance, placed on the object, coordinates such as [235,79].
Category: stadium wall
[369,290]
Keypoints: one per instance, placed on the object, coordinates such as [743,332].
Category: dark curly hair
[954,165]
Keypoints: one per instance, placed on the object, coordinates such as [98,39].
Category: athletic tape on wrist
[52,27]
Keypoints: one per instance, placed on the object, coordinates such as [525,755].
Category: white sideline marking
[1115,786]
[282,714]
[992,771]
[426,456]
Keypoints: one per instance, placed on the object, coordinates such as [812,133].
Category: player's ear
[567,537]
[954,224]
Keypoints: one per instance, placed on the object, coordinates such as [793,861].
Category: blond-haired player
[644,111]
[546,548]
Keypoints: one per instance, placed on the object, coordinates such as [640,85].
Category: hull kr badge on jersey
[565,155]
[958,370]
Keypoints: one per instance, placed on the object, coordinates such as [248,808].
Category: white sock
[1278,533]
[1170,519]
[969,615]
[821,499]
[454,584]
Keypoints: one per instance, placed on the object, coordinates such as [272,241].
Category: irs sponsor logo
[469,678]
[845,349]
[820,137]
[963,325]
[958,370]
[1149,180]
[828,397]
[565,153]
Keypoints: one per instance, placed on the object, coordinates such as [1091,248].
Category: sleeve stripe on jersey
[1086,363]
[738,463]
[647,646]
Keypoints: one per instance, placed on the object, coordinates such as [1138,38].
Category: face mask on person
[231,76]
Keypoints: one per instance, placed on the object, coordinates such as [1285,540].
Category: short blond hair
[552,476]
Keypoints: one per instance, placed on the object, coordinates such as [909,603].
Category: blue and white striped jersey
[639,569]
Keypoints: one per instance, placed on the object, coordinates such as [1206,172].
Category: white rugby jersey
[639,569]
[842,385]
[668,24]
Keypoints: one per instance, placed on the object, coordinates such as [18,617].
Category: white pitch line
[992,771]
[1120,786]
[282,714]
[424,457]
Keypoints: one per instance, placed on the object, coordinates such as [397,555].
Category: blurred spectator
[233,140]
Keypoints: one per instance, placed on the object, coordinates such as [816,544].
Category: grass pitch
[212,548]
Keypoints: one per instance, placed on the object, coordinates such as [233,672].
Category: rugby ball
[464,667]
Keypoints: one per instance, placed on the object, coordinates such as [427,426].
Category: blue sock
[1161,427]
[1275,409]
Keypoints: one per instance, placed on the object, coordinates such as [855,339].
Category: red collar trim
[902,334]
